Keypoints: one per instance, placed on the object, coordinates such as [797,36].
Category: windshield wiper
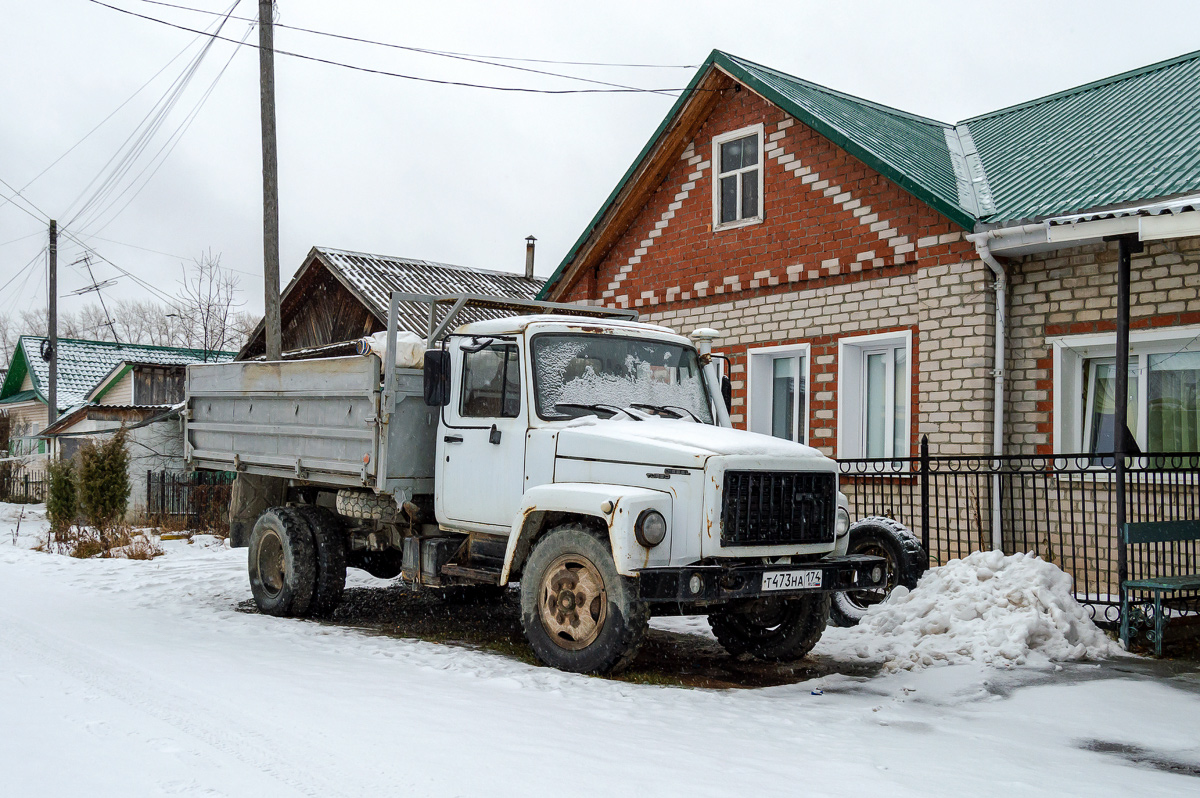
[612,410]
[675,410]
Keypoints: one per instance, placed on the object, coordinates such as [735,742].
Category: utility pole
[266,84]
[52,313]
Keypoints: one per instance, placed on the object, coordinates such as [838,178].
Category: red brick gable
[827,217]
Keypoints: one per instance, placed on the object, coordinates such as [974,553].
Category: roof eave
[688,95]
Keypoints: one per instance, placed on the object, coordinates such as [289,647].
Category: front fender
[585,499]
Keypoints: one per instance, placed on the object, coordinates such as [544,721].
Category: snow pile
[986,607]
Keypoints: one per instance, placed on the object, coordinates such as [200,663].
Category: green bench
[1156,532]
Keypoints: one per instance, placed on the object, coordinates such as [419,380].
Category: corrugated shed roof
[82,364]
[374,277]
[1126,138]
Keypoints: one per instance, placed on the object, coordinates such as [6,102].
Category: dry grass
[120,542]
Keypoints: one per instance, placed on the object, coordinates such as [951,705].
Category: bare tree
[204,315]
[207,304]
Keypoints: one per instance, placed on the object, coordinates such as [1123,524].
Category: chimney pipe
[529,256]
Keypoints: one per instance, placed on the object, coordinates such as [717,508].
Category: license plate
[791,580]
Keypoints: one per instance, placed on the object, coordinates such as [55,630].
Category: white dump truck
[575,451]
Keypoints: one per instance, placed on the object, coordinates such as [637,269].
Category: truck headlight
[842,525]
[650,529]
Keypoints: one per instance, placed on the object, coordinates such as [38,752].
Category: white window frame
[852,397]
[1070,351]
[758,408]
[717,174]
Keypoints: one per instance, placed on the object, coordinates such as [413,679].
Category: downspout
[980,240]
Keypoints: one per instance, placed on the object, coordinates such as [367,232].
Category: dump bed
[317,421]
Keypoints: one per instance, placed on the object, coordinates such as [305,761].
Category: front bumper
[720,584]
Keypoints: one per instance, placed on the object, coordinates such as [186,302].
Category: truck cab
[589,461]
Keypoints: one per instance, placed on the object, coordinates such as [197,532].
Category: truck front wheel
[578,613]
[282,563]
[776,629]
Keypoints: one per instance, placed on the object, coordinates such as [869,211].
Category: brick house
[856,256]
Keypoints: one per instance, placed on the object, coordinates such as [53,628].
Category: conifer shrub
[104,485]
[62,500]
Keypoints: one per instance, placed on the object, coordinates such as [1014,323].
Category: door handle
[494,435]
[452,439]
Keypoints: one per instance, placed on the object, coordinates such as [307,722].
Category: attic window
[738,183]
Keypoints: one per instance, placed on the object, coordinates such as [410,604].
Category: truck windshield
[578,375]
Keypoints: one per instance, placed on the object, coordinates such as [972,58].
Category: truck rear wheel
[906,562]
[329,548]
[775,629]
[578,613]
[281,562]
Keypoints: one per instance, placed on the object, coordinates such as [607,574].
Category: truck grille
[765,508]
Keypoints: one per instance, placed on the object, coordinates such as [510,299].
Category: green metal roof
[20,396]
[1128,138]
[83,364]
[910,150]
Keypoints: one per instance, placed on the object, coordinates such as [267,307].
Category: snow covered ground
[143,678]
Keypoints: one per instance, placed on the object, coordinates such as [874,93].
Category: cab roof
[516,325]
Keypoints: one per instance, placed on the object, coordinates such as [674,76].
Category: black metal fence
[1061,507]
[196,500]
[22,485]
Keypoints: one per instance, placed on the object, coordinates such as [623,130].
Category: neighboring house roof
[1127,138]
[82,364]
[118,372]
[122,414]
[371,279]
[19,396]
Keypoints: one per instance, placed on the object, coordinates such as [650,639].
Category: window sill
[717,228]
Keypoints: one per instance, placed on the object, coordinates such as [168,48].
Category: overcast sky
[459,175]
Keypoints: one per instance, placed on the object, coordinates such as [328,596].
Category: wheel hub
[573,602]
[862,599]
[272,568]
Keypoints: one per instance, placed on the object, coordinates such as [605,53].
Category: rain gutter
[981,242]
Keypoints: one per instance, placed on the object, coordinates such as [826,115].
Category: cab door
[481,445]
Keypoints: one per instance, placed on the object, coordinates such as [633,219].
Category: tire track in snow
[226,735]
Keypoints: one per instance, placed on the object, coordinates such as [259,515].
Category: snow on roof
[83,364]
[375,277]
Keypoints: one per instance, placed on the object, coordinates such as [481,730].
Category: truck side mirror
[437,378]
[727,392]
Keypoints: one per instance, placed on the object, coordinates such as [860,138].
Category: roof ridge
[158,347]
[887,109]
[1089,86]
[434,263]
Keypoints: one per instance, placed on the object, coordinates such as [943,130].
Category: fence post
[925,492]
[26,486]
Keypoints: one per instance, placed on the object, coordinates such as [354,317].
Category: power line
[23,268]
[22,238]
[69,234]
[101,122]
[386,73]
[164,152]
[137,141]
[429,51]
[475,59]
